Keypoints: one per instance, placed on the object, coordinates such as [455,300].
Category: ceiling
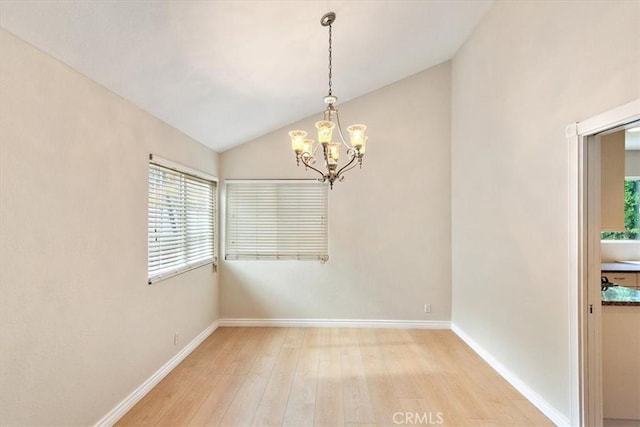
[226,72]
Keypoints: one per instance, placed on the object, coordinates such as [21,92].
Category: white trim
[171,273]
[181,168]
[616,242]
[121,408]
[618,116]
[272,181]
[337,323]
[571,130]
[548,410]
[574,276]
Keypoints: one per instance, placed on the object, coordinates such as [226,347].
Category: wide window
[182,213]
[276,220]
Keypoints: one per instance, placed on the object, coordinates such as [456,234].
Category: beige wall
[528,70]
[81,329]
[389,226]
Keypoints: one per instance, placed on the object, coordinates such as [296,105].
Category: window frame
[321,255]
[195,175]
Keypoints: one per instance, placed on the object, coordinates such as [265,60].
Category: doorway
[584,260]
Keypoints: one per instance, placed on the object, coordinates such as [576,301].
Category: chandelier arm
[343,172]
[346,168]
[304,162]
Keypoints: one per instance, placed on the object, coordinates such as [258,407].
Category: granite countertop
[621,295]
[630,267]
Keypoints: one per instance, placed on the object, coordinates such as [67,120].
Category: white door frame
[584,261]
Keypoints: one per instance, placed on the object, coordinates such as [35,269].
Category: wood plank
[357,403]
[300,409]
[379,381]
[247,353]
[184,408]
[395,345]
[329,409]
[152,407]
[244,405]
[215,405]
[274,400]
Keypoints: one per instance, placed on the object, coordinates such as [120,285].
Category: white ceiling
[225,72]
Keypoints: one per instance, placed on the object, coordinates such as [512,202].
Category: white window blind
[276,220]
[182,221]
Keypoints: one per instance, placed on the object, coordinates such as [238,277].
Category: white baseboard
[514,380]
[338,323]
[123,407]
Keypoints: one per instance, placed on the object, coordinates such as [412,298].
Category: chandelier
[304,148]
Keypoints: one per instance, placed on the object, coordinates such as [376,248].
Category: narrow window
[276,220]
[182,219]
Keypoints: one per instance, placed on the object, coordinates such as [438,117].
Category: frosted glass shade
[363,147]
[333,153]
[325,130]
[356,134]
[307,146]
[297,140]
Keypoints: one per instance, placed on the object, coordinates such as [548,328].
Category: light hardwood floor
[333,377]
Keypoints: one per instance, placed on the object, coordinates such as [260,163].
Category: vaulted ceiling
[225,72]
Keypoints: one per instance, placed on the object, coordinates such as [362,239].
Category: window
[276,220]
[631,213]
[182,213]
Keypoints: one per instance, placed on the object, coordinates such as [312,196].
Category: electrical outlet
[176,338]
[427,308]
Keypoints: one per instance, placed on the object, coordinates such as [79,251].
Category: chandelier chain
[330,58]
